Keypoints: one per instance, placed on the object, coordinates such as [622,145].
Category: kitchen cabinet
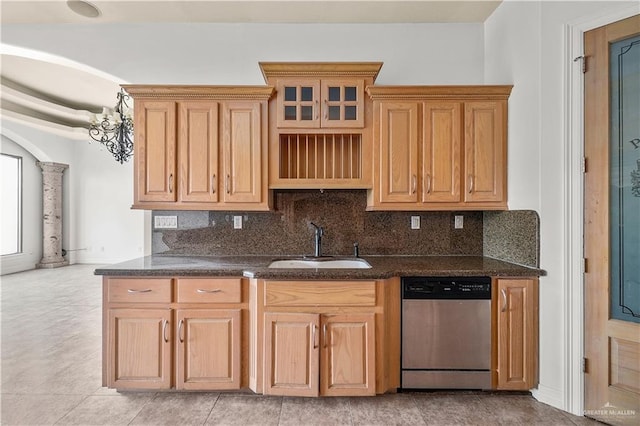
[315,103]
[201,147]
[208,349]
[155,151]
[301,348]
[324,338]
[439,147]
[155,340]
[515,360]
[320,124]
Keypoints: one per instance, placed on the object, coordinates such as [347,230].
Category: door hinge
[584,62]
[584,365]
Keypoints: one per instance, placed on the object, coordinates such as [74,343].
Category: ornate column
[52,215]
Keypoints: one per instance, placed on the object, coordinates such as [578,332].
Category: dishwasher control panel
[446,288]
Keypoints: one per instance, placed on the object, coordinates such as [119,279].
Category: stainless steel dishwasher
[446,333]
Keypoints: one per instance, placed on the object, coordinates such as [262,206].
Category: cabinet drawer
[320,293]
[210,290]
[144,290]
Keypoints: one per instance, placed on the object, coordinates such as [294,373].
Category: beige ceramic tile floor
[51,354]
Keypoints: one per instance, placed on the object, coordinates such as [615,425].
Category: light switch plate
[237,222]
[458,222]
[165,222]
[415,222]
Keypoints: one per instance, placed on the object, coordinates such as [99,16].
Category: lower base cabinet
[515,359]
[208,349]
[308,354]
[139,349]
[151,341]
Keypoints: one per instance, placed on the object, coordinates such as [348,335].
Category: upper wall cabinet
[439,147]
[320,124]
[201,147]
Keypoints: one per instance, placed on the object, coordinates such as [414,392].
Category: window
[11,210]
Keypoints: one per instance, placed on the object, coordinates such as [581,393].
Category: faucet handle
[356,249]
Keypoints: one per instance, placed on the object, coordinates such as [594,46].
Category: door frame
[573,185]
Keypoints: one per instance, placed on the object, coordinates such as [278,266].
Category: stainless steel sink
[320,263]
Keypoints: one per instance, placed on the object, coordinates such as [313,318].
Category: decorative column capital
[50,167]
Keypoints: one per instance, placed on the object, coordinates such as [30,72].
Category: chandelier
[114,128]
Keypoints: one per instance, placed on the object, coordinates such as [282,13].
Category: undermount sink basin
[320,264]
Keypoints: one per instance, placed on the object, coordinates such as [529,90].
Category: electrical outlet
[165,222]
[237,222]
[458,222]
[415,222]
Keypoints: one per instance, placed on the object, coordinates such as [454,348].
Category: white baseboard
[549,396]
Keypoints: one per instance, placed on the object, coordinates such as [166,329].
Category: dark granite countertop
[257,267]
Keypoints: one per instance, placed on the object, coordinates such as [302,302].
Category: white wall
[98,224]
[526,41]
[229,53]
[31,212]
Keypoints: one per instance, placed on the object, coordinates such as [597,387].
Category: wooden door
[441,157]
[485,151]
[348,355]
[139,348]
[342,103]
[291,354]
[612,222]
[516,303]
[198,144]
[242,155]
[208,349]
[155,151]
[298,103]
[397,144]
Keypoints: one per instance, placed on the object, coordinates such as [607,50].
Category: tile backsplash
[342,214]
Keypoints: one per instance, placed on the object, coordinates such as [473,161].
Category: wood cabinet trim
[189,92]
[440,92]
[320,69]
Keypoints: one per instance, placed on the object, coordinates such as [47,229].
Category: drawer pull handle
[314,332]
[171,183]
[324,334]
[164,331]
[504,300]
[227,184]
[146,290]
[213,184]
[203,290]
[428,184]
[470,184]
[317,109]
[414,184]
[180,336]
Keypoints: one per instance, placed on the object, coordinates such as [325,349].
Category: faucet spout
[318,240]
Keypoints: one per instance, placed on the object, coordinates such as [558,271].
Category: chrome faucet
[318,240]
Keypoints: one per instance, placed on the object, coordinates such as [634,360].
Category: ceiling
[68,91]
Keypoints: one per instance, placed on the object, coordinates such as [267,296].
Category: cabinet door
[348,355]
[291,354]
[198,143]
[242,139]
[139,348]
[155,151]
[485,151]
[442,141]
[298,103]
[208,349]
[342,103]
[517,333]
[397,145]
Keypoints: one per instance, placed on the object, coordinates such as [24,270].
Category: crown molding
[147,91]
[319,69]
[439,92]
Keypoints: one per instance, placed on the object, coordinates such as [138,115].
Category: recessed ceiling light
[83,8]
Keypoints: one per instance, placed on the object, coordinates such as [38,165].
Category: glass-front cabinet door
[314,103]
[342,103]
